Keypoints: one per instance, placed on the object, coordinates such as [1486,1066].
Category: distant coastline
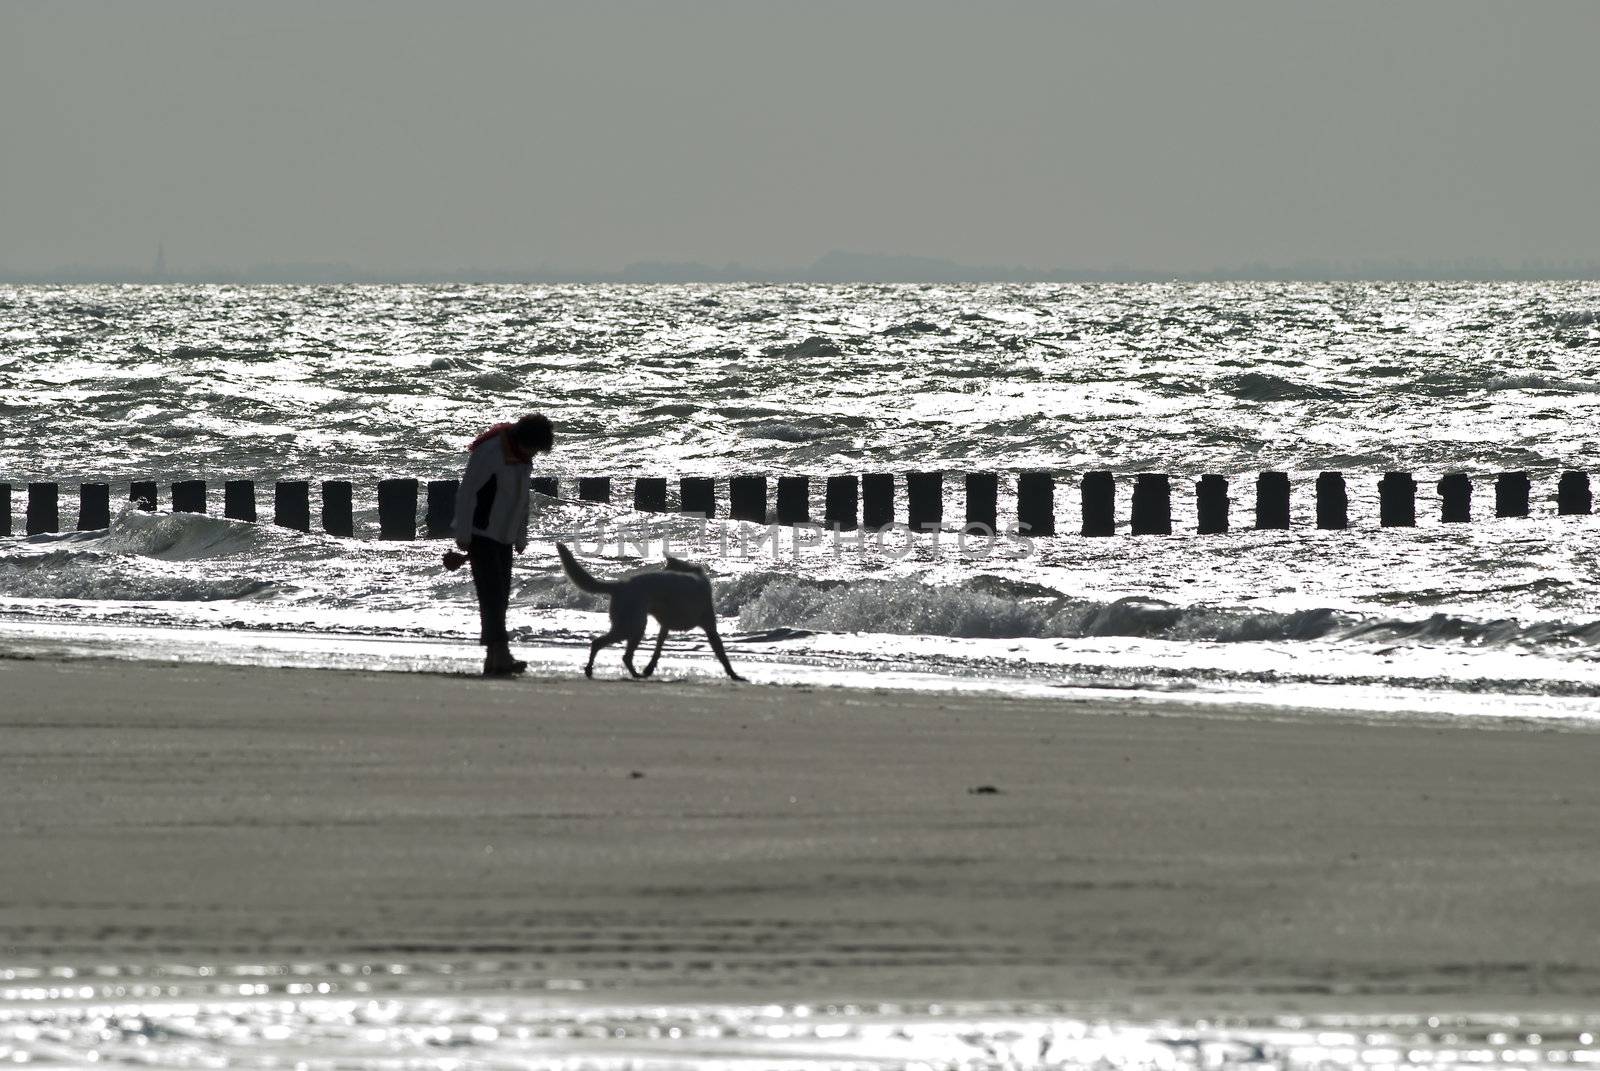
[835,267]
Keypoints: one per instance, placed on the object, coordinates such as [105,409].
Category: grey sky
[588,134]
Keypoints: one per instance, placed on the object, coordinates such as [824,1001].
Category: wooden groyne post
[839,503]
[1211,503]
[983,500]
[44,514]
[747,499]
[794,500]
[1573,495]
[877,501]
[697,496]
[397,509]
[924,501]
[1397,500]
[1455,498]
[1152,504]
[338,508]
[1272,500]
[94,507]
[650,494]
[189,496]
[239,500]
[1036,503]
[1511,493]
[1333,501]
[1099,495]
[291,505]
[441,515]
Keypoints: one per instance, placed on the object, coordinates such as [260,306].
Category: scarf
[514,451]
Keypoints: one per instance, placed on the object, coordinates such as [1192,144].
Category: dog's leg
[650,666]
[716,646]
[628,619]
[594,648]
[633,645]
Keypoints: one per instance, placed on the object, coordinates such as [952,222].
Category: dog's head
[678,565]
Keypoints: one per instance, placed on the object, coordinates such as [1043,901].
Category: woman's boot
[497,662]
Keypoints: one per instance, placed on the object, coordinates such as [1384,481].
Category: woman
[492,520]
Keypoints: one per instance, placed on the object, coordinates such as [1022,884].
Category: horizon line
[832,268]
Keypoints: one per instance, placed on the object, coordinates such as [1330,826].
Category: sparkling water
[112,384]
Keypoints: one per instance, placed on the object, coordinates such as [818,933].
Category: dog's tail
[581,578]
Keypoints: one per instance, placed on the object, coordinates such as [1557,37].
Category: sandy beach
[748,843]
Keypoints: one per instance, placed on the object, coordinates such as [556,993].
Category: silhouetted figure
[492,520]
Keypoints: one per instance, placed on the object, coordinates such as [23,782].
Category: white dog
[677,596]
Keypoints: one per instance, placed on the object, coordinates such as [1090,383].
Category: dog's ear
[678,565]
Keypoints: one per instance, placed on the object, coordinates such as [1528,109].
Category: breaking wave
[986,609]
[181,536]
[58,576]
[154,557]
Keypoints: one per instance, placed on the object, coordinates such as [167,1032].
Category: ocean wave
[1445,628]
[150,557]
[80,578]
[1452,384]
[1572,318]
[984,609]
[1263,387]
[84,567]
[182,536]
[671,409]
[219,353]
[1541,383]
[914,327]
[784,431]
[813,347]
[497,382]
[715,353]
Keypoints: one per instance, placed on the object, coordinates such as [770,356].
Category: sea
[1498,617]
[1495,618]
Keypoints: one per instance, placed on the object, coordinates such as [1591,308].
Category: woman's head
[533,433]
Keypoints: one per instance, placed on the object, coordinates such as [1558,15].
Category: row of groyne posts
[849,502]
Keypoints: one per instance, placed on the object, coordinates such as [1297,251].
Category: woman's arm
[480,466]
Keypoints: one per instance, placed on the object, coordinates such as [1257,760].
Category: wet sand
[705,841]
